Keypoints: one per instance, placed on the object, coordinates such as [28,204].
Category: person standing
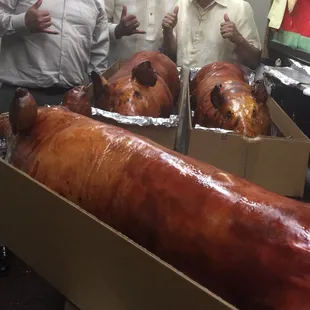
[135,26]
[220,30]
[50,46]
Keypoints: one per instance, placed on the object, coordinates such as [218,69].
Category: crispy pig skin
[244,243]
[222,98]
[129,91]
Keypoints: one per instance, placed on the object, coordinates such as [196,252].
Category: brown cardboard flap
[284,122]
[91,264]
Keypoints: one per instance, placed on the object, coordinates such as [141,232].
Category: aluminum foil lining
[3,148]
[297,76]
[172,121]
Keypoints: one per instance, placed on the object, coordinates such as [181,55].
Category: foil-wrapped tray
[296,76]
[172,121]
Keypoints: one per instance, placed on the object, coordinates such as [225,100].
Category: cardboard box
[91,264]
[165,136]
[278,164]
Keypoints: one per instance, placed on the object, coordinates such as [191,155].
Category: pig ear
[23,111]
[259,91]
[100,85]
[217,97]
[144,74]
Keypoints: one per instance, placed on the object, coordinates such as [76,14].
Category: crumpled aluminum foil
[172,121]
[297,76]
[3,148]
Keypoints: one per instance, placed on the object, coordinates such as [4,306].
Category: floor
[23,289]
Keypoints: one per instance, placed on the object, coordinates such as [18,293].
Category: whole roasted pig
[246,244]
[146,85]
[222,98]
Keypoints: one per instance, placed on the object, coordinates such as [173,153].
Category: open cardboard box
[165,136]
[91,264]
[278,164]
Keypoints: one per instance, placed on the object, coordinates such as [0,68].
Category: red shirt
[299,20]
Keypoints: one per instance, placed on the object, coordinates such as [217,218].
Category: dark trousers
[42,96]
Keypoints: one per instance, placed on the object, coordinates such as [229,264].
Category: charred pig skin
[248,245]
[146,85]
[222,98]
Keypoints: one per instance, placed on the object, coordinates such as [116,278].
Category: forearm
[170,45]
[248,54]
[11,24]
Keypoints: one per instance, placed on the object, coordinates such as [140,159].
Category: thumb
[37,5]
[226,18]
[176,10]
[124,11]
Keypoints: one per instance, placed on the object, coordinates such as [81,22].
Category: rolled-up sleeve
[100,45]
[247,27]
[9,22]
[110,9]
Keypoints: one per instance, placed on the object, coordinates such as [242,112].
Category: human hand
[229,31]
[128,25]
[37,20]
[170,20]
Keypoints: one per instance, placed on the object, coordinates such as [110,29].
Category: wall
[261,10]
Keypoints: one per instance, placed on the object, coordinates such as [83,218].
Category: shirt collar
[220,2]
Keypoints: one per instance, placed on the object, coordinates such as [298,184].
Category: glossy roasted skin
[162,65]
[133,91]
[248,245]
[222,98]
[76,100]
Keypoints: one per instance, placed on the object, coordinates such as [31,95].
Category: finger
[227,29]
[176,10]
[135,26]
[45,25]
[44,13]
[137,31]
[37,5]
[169,19]
[129,18]
[46,19]
[132,23]
[226,18]
[225,24]
[124,11]
[171,15]
[49,31]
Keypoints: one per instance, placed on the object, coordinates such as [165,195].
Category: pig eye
[228,115]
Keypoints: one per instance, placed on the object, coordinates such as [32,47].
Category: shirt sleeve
[247,27]
[100,44]
[110,9]
[9,22]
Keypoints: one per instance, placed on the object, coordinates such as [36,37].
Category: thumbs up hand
[229,31]
[128,25]
[170,20]
[37,20]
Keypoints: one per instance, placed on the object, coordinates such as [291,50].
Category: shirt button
[151,14]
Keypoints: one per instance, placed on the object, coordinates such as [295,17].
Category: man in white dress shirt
[50,46]
[200,32]
[135,26]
